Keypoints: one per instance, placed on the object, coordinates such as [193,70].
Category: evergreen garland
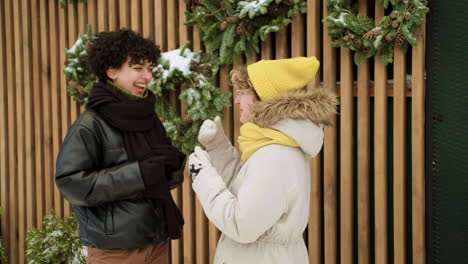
[358,32]
[79,79]
[63,3]
[191,74]
[232,28]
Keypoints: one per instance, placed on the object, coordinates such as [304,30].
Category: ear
[112,73]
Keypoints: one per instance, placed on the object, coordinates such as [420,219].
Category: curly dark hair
[112,49]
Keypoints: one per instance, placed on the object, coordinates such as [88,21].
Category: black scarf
[143,134]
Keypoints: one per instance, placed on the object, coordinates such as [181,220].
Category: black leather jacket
[106,190]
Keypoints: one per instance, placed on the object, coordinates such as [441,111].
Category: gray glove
[211,133]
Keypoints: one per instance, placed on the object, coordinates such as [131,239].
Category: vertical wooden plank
[380,155]
[201,222]
[282,47]
[346,156]
[148,26]
[56,103]
[64,98]
[399,157]
[418,155]
[297,38]
[187,193]
[103,15]
[363,158]
[113,19]
[183,29]
[82,25]
[91,9]
[330,156]
[38,112]
[28,117]
[267,49]
[172,23]
[20,137]
[124,11]
[135,15]
[315,218]
[73,29]
[160,20]
[12,166]
[82,18]
[4,175]
[48,191]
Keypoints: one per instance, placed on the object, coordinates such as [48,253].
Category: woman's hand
[211,133]
[199,160]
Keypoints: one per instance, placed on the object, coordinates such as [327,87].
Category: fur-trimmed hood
[314,104]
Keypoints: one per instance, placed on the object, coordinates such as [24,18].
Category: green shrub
[2,249]
[56,243]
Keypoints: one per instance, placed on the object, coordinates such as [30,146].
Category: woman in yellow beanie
[259,198]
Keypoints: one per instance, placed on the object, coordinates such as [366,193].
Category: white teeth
[141,85]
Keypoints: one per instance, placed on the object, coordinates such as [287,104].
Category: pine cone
[346,38]
[245,27]
[395,24]
[399,39]
[389,37]
[232,19]
[273,10]
[393,15]
[223,25]
[288,2]
[357,44]
[373,34]
[206,70]
[407,16]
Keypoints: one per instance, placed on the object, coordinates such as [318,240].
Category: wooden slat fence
[367,185]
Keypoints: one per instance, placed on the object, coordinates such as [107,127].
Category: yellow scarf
[253,137]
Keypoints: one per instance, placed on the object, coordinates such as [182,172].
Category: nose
[236,100]
[147,75]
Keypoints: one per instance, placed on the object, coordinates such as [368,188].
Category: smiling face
[245,98]
[133,78]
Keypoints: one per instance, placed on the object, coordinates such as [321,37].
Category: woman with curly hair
[116,165]
[259,198]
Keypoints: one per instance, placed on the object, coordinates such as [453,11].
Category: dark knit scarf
[144,136]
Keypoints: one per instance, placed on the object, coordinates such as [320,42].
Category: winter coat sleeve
[258,205]
[80,178]
[226,159]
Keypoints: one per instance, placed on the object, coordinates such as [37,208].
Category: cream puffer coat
[262,206]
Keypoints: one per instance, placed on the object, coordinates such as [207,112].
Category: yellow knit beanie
[274,78]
